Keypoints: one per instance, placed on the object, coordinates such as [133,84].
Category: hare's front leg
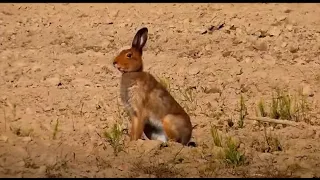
[136,128]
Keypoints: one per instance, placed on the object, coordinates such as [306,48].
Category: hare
[152,110]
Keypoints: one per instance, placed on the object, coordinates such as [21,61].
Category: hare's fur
[153,111]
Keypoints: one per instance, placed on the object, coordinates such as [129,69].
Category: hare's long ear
[140,39]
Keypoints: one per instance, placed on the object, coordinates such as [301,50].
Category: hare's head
[130,60]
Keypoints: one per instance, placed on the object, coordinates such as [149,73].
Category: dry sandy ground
[60,92]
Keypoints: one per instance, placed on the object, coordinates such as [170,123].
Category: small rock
[287,10]
[4,138]
[26,139]
[42,169]
[269,59]
[36,68]
[289,27]
[20,164]
[281,18]
[306,90]
[53,81]
[123,167]
[187,21]
[226,53]
[284,44]
[275,31]
[150,145]
[201,30]
[247,60]
[208,47]
[194,71]
[307,175]
[256,123]
[262,46]
[265,156]
[293,49]
[63,44]
[47,108]
[29,111]
[114,14]
[82,82]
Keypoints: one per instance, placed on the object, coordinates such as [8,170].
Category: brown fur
[150,105]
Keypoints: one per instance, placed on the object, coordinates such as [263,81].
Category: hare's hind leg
[177,128]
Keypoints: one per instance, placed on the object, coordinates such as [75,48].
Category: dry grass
[230,154]
[115,138]
[285,106]
[243,112]
[55,130]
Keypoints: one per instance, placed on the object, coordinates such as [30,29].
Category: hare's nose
[114,63]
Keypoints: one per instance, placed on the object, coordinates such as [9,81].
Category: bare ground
[60,93]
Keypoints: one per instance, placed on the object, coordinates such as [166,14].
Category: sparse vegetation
[230,154]
[273,143]
[286,107]
[243,112]
[115,138]
[217,139]
[55,130]
[262,109]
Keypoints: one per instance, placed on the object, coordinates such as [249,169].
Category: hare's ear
[140,39]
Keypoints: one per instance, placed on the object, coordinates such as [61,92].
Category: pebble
[53,81]
[293,49]
[194,71]
[42,170]
[29,111]
[47,108]
[208,47]
[21,163]
[307,175]
[265,156]
[262,46]
[4,138]
[201,30]
[275,31]
[187,21]
[82,82]
[306,90]
[284,44]
[26,139]
[281,18]
[289,27]
[269,59]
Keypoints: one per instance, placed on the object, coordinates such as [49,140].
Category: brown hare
[153,111]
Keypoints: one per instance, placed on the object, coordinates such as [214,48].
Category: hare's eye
[129,55]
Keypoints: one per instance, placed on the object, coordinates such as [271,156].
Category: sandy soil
[60,92]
